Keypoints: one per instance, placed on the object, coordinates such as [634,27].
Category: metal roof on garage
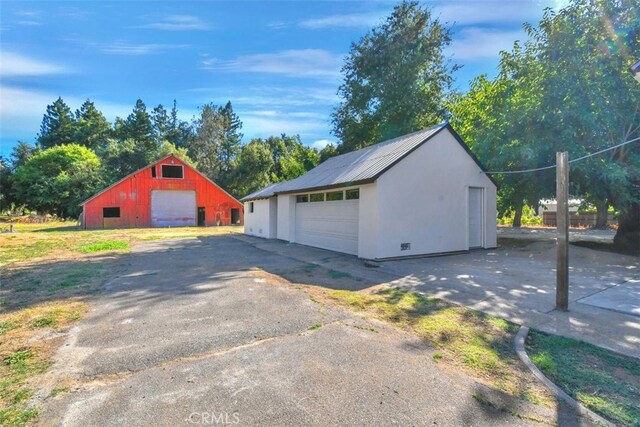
[357,167]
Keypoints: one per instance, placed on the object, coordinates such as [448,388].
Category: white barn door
[173,208]
[328,225]
[476,210]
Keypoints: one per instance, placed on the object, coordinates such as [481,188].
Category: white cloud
[271,97]
[258,124]
[125,48]
[29,23]
[276,25]
[321,143]
[178,23]
[294,63]
[488,12]
[14,65]
[481,43]
[350,20]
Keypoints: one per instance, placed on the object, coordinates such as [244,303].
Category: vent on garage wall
[405,246]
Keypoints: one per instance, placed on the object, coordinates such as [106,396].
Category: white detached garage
[422,193]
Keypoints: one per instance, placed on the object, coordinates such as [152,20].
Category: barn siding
[133,196]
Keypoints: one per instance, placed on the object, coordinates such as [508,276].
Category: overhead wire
[570,161]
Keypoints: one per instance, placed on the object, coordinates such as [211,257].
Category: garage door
[173,208]
[328,225]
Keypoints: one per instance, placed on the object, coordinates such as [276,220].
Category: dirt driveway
[195,332]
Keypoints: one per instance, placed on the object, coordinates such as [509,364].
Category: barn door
[476,210]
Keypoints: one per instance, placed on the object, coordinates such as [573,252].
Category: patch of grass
[22,357]
[107,245]
[17,417]
[58,390]
[479,344]
[315,326]
[603,381]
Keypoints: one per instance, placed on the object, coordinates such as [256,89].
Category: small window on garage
[335,195]
[302,198]
[111,212]
[153,171]
[172,171]
[317,197]
[353,194]
[250,207]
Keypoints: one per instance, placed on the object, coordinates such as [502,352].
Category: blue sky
[278,62]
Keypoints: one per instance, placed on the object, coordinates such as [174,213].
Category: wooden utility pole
[562,222]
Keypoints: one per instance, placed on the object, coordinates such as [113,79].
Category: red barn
[167,193]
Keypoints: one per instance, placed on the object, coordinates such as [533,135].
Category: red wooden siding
[133,196]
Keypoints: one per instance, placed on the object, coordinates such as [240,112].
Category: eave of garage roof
[368,170]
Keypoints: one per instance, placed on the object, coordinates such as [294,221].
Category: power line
[570,161]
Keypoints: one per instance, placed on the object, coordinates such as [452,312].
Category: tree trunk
[517,216]
[628,235]
[601,215]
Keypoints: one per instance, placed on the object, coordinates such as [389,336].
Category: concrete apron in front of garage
[516,281]
[195,332]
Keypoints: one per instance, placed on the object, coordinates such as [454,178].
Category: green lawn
[605,382]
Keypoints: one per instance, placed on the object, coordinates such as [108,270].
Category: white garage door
[328,225]
[173,208]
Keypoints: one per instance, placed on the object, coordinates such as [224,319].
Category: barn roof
[357,167]
[162,159]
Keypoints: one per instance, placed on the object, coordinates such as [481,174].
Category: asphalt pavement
[206,332]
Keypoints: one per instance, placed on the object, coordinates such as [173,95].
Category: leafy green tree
[253,169]
[396,79]
[5,184]
[291,158]
[327,152]
[57,179]
[58,125]
[592,103]
[21,153]
[92,128]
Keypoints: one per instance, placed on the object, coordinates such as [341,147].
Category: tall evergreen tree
[92,127]
[216,142]
[58,125]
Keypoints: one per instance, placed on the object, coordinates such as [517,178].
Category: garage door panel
[328,225]
[173,208]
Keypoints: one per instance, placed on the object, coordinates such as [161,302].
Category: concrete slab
[515,281]
[624,298]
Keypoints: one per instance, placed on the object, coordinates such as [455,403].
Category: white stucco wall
[262,222]
[368,231]
[422,200]
[286,214]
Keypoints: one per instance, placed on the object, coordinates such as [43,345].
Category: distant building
[167,193]
[422,193]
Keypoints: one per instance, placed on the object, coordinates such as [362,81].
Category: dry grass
[59,240]
[49,273]
[28,338]
[478,344]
